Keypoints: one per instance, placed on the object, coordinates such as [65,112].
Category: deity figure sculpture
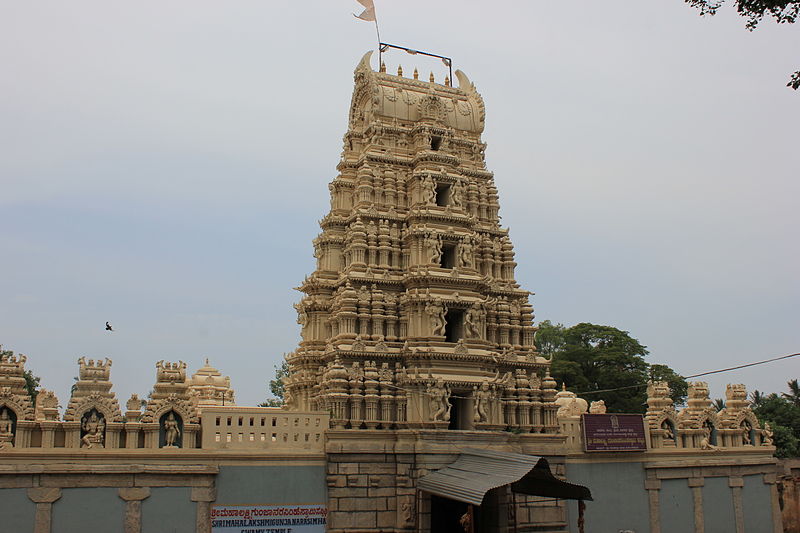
[465,255]
[705,442]
[766,435]
[434,250]
[440,401]
[94,427]
[668,432]
[171,431]
[472,322]
[482,396]
[6,430]
[747,440]
[436,313]
[428,190]
[457,195]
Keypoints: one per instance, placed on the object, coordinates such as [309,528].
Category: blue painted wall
[88,509]
[242,485]
[17,510]
[718,513]
[169,510]
[620,501]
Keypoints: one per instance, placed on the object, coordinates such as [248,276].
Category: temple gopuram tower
[413,317]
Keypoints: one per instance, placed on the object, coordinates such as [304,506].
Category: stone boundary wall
[262,428]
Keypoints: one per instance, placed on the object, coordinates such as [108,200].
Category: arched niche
[93,429]
[8,426]
[709,425]
[170,430]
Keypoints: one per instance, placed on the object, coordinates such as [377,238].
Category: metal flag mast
[369,15]
[383,46]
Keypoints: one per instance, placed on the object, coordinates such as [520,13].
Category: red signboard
[613,433]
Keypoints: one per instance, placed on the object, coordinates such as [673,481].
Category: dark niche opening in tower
[436,142]
[454,325]
[448,255]
[443,195]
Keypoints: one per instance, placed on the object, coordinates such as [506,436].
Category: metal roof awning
[476,472]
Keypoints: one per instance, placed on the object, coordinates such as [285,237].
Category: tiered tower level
[413,316]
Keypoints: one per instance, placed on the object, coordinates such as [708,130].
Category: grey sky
[164,164]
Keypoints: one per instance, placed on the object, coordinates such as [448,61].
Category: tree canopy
[782,11]
[782,412]
[590,358]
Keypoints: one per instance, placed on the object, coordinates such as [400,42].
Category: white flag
[369,12]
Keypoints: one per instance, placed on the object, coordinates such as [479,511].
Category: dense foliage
[783,414]
[783,11]
[591,359]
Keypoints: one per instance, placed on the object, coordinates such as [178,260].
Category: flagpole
[380,52]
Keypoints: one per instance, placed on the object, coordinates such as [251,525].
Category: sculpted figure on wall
[482,397]
[472,322]
[465,255]
[428,191]
[6,430]
[93,426]
[457,195]
[171,431]
[705,442]
[668,430]
[436,313]
[440,401]
[434,250]
[766,435]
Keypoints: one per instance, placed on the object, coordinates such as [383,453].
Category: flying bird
[108,327]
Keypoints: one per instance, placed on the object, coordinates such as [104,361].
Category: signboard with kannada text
[268,518]
[613,433]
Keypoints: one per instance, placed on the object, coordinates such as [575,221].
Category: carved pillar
[203,496]
[696,484]
[653,486]
[133,497]
[48,432]
[736,483]
[43,498]
[777,519]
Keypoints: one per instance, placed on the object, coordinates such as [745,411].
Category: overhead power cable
[708,373]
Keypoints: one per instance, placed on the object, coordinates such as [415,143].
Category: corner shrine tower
[413,318]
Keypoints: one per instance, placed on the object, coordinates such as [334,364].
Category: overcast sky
[164,165]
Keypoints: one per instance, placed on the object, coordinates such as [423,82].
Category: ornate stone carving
[93,429]
[439,395]
[597,407]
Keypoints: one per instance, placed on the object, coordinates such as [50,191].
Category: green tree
[782,11]
[589,357]
[794,392]
[31,385]
[718,404]
[276,386]
[783,416]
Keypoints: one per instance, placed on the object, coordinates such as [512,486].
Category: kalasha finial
[383,67]
[399,70]
[416,74]
[447,81]
[431,77]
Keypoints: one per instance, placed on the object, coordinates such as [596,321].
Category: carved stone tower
[413,317]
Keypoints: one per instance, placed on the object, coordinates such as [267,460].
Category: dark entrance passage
[446,515]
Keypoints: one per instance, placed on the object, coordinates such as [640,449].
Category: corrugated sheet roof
[476,472]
